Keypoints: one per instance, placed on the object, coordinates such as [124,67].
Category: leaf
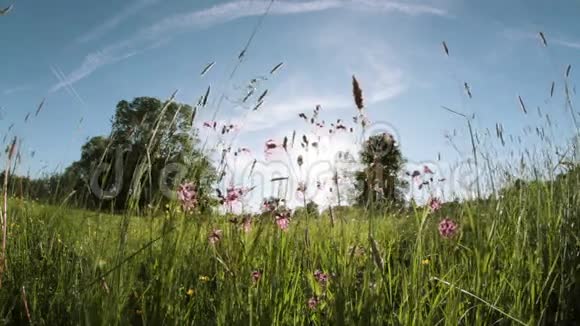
[258,106]
[6,10]
[467,90]
[278,66]
[241,55]
[522,105]
[39,107]
[206,96]
[207,68]
[261,98]
[445,48]
[543,39]
[193,114]
[250,93]
[172,97]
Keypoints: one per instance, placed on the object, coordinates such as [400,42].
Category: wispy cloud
[18,89]
[408,8]
[218,14]
[517,34]
[114,21]
[238,9]
[568,44]
[91,63]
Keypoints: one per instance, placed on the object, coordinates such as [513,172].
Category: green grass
[515,260]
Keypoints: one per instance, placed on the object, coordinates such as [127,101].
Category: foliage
[311,210]
[379,183]
[148,137]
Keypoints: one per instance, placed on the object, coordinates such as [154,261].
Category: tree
[311,210]
[151,148]
[379,183]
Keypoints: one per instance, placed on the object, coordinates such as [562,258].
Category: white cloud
[114,21]
[413,9]
[89,65]
[217,14]
[18,89]
[381,80]
[238,9]
[568,44]
[517,34]
[230,11]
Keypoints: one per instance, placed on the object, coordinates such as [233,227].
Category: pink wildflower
[210,124]
[270,205]
[321,278]
[234,194]
[270,146]
[256,276]
[187,196]
[447,228]
[214,236]
[283,221]
[313,303]
[434,204]
[427,170]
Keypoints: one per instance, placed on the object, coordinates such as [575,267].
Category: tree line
[128,169]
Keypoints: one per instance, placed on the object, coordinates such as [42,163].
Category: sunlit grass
[513,261]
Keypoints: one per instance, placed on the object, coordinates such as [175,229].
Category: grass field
[408,163]
[513,260]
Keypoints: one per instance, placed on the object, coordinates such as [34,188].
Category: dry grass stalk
[3,259]
[25,302]
[357,93]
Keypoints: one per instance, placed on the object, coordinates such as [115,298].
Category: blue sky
[86,56]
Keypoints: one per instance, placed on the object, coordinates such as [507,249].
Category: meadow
[110,244]
[513,260]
